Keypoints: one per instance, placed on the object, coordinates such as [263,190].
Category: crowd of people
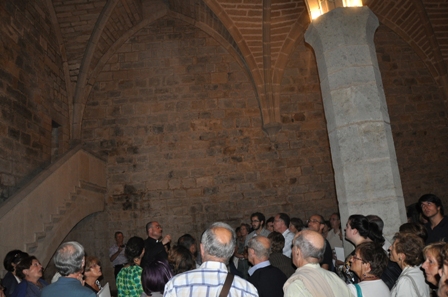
[278,256]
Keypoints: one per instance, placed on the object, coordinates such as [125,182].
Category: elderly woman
[368,263]
[358,230]
[155,276]
[406,251]
[29,270]
[92,273]
[11,281]
[129,282]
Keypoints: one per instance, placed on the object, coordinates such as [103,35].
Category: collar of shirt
[286,232]
[258,266]
[213,265]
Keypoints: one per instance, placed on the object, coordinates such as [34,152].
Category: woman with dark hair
[358,230]
[406,251]
[368,264]
[129,282]
[181,259]
[11,281]
[29,270]
[295,225]
[155,276]
[432,254]
[92,273]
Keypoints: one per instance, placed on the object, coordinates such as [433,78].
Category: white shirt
[374,288]
[334,239]
[289,236]
[298,288]
[404,286]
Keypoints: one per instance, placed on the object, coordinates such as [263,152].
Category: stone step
[40,236]
[31,247]
[48,227]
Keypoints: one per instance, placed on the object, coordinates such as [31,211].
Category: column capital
[342,26]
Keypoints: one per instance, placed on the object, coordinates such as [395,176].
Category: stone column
[362,148]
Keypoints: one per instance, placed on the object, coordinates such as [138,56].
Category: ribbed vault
[92,30]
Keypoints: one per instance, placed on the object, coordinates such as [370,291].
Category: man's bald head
[261,246]
[311,245]
[218,242]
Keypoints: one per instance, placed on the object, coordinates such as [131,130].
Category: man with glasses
[281,225]
[317,223]
[257,221]
[437,226]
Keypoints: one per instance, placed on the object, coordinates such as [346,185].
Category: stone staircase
[40,215]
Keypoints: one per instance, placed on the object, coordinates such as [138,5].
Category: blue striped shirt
[207,280]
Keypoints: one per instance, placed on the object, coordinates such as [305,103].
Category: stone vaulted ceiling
[260,34]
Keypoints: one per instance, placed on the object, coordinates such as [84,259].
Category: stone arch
[200,25]
[267,107]
[409,20]
[82,208]
[42,213]
[78,99]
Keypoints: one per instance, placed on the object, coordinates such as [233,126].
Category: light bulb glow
[352,3]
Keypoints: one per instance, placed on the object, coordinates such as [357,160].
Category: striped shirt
[207,280]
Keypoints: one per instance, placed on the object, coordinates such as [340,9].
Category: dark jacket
[269,281]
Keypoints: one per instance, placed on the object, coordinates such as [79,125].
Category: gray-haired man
[69,262]
[217,246]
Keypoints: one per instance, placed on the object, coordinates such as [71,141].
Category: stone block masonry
[189,149]
[32,93]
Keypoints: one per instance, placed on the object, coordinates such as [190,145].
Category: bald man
[266,278]
[310,280]
[317,223]
[217,246]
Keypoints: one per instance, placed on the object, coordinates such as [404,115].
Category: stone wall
[180,124]
[32,92]
[418,117]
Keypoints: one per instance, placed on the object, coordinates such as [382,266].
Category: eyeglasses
[313,221]
[359,259]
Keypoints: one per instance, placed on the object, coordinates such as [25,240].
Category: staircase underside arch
[39,217]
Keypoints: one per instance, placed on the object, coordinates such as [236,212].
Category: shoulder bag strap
[226,288]
[414,285]
[358,290]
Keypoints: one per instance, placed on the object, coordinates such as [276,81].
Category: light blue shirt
[258,266]
[289,236]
